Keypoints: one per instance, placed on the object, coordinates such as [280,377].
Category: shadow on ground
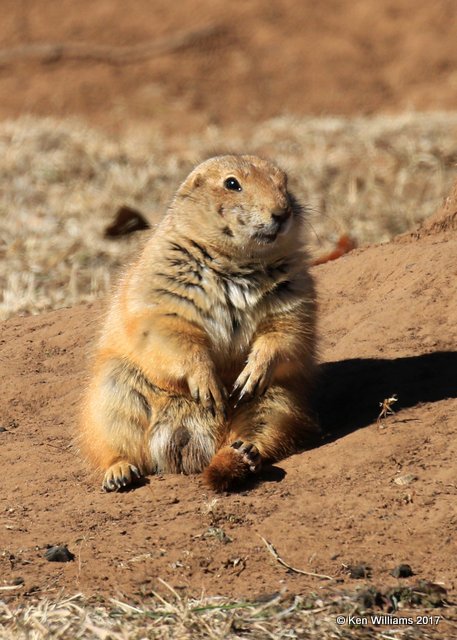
[350,390]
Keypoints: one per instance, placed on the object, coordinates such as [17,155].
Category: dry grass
[62,182]
[178,618]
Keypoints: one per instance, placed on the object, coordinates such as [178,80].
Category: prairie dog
[206,357]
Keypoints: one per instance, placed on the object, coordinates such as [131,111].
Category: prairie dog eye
[232,184]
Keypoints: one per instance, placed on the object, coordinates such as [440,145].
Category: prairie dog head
[239,204]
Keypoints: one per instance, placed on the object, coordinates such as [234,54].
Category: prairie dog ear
[198,180]
[190,184]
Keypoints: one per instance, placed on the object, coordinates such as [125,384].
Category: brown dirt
[388,326]
[257,61]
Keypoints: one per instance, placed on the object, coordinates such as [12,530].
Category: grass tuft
[175,617]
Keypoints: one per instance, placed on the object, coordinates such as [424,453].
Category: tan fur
[227,470]
[219,302]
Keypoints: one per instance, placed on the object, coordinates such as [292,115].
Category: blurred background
[197,62]
[107,103]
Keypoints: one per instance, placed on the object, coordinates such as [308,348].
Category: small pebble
[59,553]
[404,480]
[402,571]
[358,571]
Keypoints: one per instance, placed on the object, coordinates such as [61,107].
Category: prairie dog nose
[281,217]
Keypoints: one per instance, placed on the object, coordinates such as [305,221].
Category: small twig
[275,555]
[312,612]
[140,558]
[170,588]
[11,587]
[50,52]
[126,607]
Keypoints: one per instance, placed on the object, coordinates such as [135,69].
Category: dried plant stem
[277,557]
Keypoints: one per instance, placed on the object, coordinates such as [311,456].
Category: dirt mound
[186,64]
[377,493]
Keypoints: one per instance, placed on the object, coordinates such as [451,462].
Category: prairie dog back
[206,357]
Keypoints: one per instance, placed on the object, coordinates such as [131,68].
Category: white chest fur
[237,306]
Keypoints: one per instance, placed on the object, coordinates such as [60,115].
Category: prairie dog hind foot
[249,454]
[120,475]
[232,465]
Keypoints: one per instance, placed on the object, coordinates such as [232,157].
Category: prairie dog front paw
[253,380]
[207,390]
